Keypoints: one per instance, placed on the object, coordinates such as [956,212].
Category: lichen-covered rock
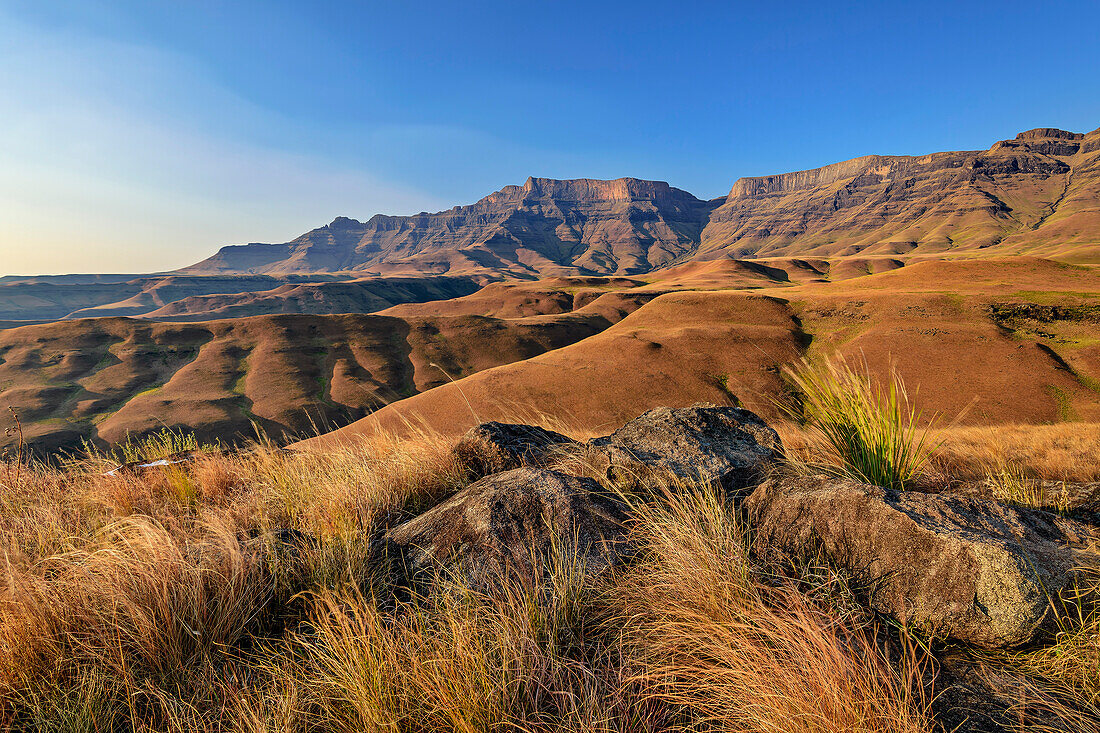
[508,524]
[977,571]
[728,445]
[492,447]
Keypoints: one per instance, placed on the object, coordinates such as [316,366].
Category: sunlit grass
[750,655]
[866,431]
[251,591]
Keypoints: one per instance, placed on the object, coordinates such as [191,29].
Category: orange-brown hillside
[104,378]
[1008,341]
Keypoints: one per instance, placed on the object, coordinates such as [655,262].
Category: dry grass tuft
[463,661]
[744,655]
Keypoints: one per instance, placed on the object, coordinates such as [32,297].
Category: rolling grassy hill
[988,342]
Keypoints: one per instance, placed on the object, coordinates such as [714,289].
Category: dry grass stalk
[748,656]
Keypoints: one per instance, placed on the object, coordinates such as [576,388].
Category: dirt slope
[104,378]
[976,338]
[678,349]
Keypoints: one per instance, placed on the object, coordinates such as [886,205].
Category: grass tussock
[248,592]
[464,661]
[1011,485]
[858,427]
[155,446]
[746,655]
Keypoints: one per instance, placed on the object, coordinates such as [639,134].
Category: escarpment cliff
[1038,194]
[544,227]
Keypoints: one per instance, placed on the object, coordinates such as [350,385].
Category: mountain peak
[1049,132]
[876,205]
[344,222]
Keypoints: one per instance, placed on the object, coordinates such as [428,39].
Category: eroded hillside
[998,341]
[980,338]
[104,378]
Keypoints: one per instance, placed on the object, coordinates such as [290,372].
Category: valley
[589,352]
[591,301]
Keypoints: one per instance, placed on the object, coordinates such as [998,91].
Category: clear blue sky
[138,135]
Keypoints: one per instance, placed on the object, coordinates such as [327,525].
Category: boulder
[1079,500]
[977,571]
[495,446]
[728,445]
[511,523]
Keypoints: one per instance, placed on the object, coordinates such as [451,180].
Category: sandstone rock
[495,446]
[978,571]
[506,524]
[705,443]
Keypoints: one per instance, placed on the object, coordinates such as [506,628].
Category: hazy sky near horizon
[141,135]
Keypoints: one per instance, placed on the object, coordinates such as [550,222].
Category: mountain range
[1037,194]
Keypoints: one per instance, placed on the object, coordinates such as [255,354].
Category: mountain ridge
[913,205]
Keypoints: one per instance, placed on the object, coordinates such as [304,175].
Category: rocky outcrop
[511,525]
[706,443]
[957,566]
[977,571]
[495,446]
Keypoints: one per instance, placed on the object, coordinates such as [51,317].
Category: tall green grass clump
[161,444]
[868,431]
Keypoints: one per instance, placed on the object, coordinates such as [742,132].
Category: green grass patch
[1066,413]
[870,431]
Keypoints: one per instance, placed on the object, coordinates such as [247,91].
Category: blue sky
[141,135]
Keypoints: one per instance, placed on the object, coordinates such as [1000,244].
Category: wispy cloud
[124,157]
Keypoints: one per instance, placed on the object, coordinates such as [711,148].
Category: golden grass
[144,583]
[248,592]
[1060,452]
[747,655]
[464,661]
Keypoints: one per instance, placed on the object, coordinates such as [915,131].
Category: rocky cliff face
[544,227]
[1011,196]
[1038,194]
